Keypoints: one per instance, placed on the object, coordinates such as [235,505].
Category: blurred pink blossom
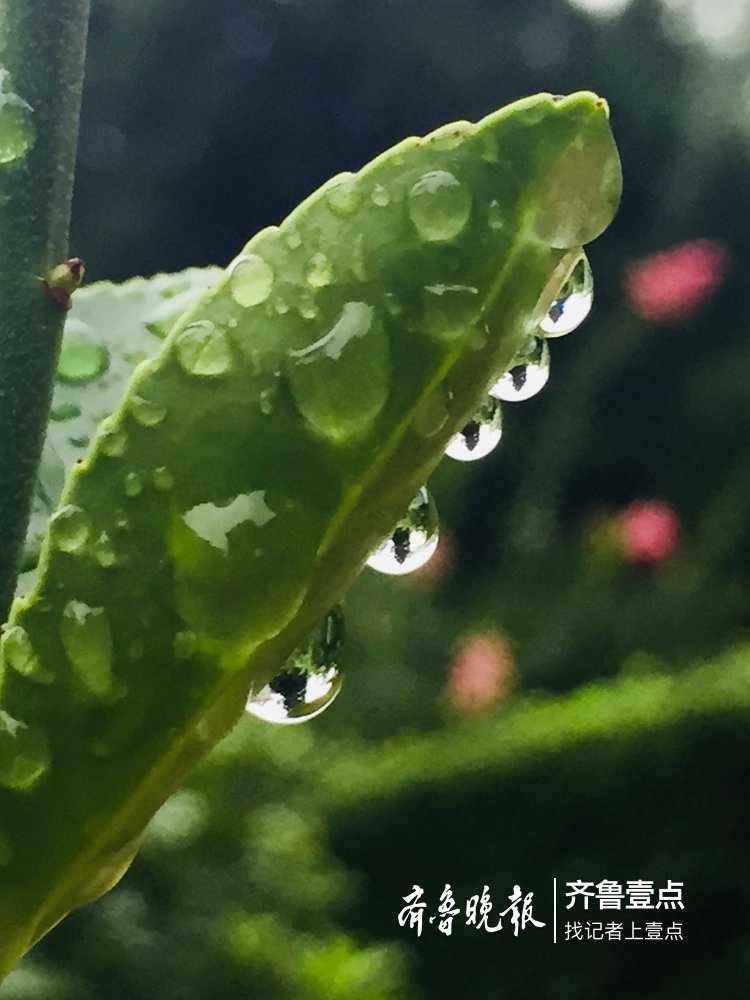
[649,531]
[482,672]
[668,287]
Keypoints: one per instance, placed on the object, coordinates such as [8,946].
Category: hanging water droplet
[319,272]
[527,375]
[112,441]
[480,436]
[147,412]
[16,122]
[342,194]
[380,196]
[133,484]
[573,302]
[18,653]
[69,528]
[203,349]
[251,280]
[162,479]
[65,411]
[24,755]
[341,382]
[413,540]
[439,206]
[87,641]
[81,359]
[309,680]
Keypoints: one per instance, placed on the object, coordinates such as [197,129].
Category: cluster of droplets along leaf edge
[310,680]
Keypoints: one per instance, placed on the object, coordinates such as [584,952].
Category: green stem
[42,46]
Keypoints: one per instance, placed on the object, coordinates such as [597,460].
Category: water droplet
[413,540]
[309,680]
[65,411]
[342,194]
[112,441]
[573,302]
[307,307]
[439,206]
[81,359]
[162,479]
[380,196]
[18,653]
[450,310]
[87,641]
[202,349]
[341,382]
[358,262]
[104,552]
[133,484]
[79,441]
[16,122]
[496,216]
[265,402]
[281,307]
[480,436]
[69,528]
[527,375]
[147,412]
[319,272]
[251,280]
[24,755]
[293,239]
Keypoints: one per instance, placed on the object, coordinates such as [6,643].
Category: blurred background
[563,691]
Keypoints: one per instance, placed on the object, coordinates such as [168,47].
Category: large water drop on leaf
[18,652]
[81,358]
[308,681]
[87,641]
[480,436]
[528,374]
[16,122]
[413,540]
[251,280]
[204,349]
[69,528]
[341,382]
[573,302]
[439,206]
[24,756]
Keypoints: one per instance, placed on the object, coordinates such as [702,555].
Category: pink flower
[482,672]
[668,287]
[649,530]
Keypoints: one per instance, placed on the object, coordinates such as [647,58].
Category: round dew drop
[413,540]
[250,280]
[439,206]
[133,484]
[147,412]
[342,194]
[573,302]
[309,680]
[527,375]
[18,653]
[480,436]
[24,755]
[87,641]
[203,349]
[81,359]
[380,196]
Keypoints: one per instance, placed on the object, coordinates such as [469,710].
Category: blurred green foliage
[279,871]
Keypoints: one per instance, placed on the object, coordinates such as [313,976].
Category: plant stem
[42,46]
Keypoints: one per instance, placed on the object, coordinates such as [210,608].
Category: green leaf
[291,416]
